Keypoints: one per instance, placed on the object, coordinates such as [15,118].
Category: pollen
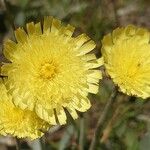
[48,70]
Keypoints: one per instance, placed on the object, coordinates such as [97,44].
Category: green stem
[18,144]
[43,142]
[82,133]
[10,16]
[115,13]
[102,119]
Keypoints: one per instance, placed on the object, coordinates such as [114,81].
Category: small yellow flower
[50,70]
[126,55]
[18,122]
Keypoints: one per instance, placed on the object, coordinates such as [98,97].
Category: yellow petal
[100,61]
[130,30]
[68,30]
[95,63]
[50,113]
[47,23]
[145,34]
[72,112]
[20,35]
[87,47]
[80,40]
[95,74]
[61,115]
[30,28]
[83,105]
[17,99]
[89,57]
[51,117]
[9,48]
[117,33]
[5,69]
[93,88]
[21,105]
[83,93]
[107,42]
[38,30]
[56,24]
[92,80]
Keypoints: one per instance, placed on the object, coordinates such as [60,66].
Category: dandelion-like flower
[50,70]
[126,55]
[18,122]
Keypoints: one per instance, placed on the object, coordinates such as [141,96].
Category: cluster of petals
[49,70]
[17,122]
[126,53]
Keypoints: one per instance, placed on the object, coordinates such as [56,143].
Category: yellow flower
[126,55]
[50,70]
[18,122]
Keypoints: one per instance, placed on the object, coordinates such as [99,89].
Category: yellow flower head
[18,122]
[126,55]
[50,70]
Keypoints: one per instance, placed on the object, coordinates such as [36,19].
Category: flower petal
[20,35]
[61,115]
[30,28]
[47,23]
[87,47]
[9,48]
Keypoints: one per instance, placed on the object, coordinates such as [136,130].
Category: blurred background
[129,125]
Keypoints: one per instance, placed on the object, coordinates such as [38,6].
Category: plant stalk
[82,133]
[102,119]
[18,144]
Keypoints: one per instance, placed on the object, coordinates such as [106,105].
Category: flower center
[48,70]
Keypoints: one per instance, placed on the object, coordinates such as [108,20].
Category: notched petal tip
[93,88]
[30,28]
[47,23]
[72,112]
[87,47]
[20,35]
[67,30]
[83,104]
[61,115]
[56,25]
[107,40]
[81,39]
[38,29]
[5,69]
[95,63]
[45,114]
[9,48]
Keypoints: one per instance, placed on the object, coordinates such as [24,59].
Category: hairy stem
[9,14]
[82,133]
[117,23]
[102,119]
[18,144]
